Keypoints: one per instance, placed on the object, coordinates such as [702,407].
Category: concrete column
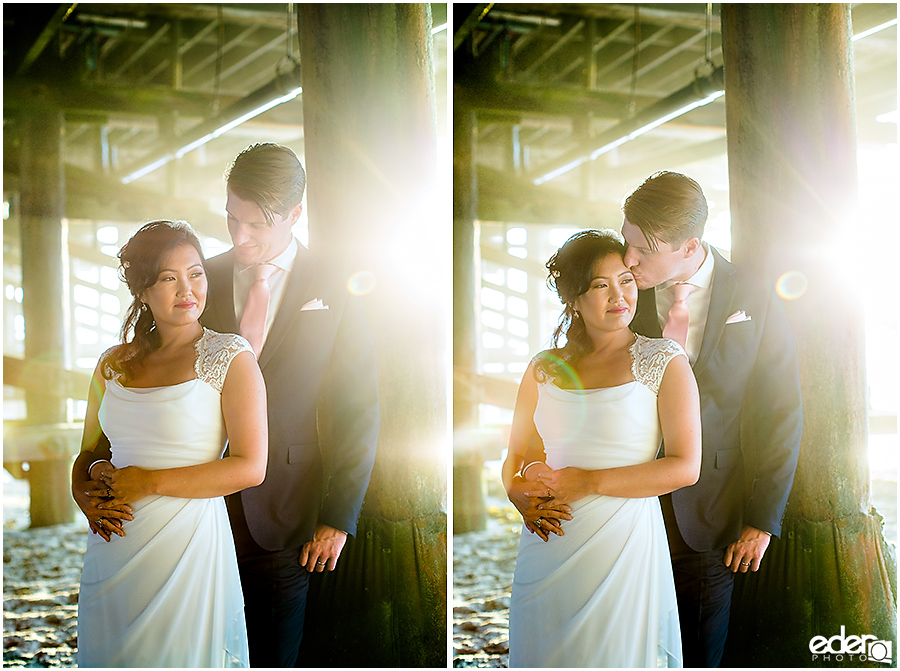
[370,154]
[793,181]
[45,280]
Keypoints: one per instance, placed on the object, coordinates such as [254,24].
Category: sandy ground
[41,571]
[483,564]
[42,567]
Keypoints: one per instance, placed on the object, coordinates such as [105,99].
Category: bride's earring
[146,308]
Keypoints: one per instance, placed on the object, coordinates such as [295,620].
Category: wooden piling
[45,304]
[793,183]
[370,154]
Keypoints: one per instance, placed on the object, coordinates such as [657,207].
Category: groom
[741,349]
[317,357]
[743,355]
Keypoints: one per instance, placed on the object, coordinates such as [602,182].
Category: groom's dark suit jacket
[321,387]
[751,416]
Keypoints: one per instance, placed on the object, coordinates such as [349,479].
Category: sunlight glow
[108,235]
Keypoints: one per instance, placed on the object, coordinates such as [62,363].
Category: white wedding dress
[168,594]
[603,594]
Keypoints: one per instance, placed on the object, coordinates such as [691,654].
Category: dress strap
[649,358]
[215,351]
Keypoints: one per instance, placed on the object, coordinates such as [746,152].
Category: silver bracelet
[526,467]
[99,461]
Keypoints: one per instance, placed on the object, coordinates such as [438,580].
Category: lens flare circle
[361,283]
[792,285]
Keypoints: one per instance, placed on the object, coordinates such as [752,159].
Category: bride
[597,590]
[160,584]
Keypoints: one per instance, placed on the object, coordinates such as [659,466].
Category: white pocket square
[737,318]
[314,304]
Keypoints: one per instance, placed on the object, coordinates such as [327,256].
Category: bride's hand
[91,496]
[568,484]
[127,485]
[542,516]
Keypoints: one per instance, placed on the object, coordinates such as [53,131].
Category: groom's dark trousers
[275,588]
[704,585]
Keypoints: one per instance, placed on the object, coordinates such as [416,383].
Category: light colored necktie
[677,321]
[253,323]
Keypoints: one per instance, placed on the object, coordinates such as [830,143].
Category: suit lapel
[646,321]
[219,313]
[720,303]
[296,293]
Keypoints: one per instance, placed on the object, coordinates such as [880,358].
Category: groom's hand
[322,552]
[747,552]
[541,515]
[90,493]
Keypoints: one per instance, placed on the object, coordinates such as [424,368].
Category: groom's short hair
[269,175]
[668,207]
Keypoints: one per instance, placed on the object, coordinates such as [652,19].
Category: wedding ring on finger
[321,563]
[540,521]
[744,564]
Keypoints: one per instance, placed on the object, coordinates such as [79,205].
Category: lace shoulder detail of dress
[107,372]
[544,363]
[649,358]
[214,354]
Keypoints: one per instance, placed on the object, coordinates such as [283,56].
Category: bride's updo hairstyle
[140,260]
[571,270]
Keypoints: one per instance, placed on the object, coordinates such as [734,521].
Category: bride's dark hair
[571,270]
[139,265]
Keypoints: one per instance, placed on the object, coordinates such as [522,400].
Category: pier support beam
[374,209]
[45,274]
[793,183]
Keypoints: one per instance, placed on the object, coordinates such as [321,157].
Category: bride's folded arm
[678,403]
[91,431]
[522,432]
[89,494]
[524,440]
[244,411]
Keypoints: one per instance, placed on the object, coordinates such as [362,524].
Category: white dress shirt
[243,278]
[697,302]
